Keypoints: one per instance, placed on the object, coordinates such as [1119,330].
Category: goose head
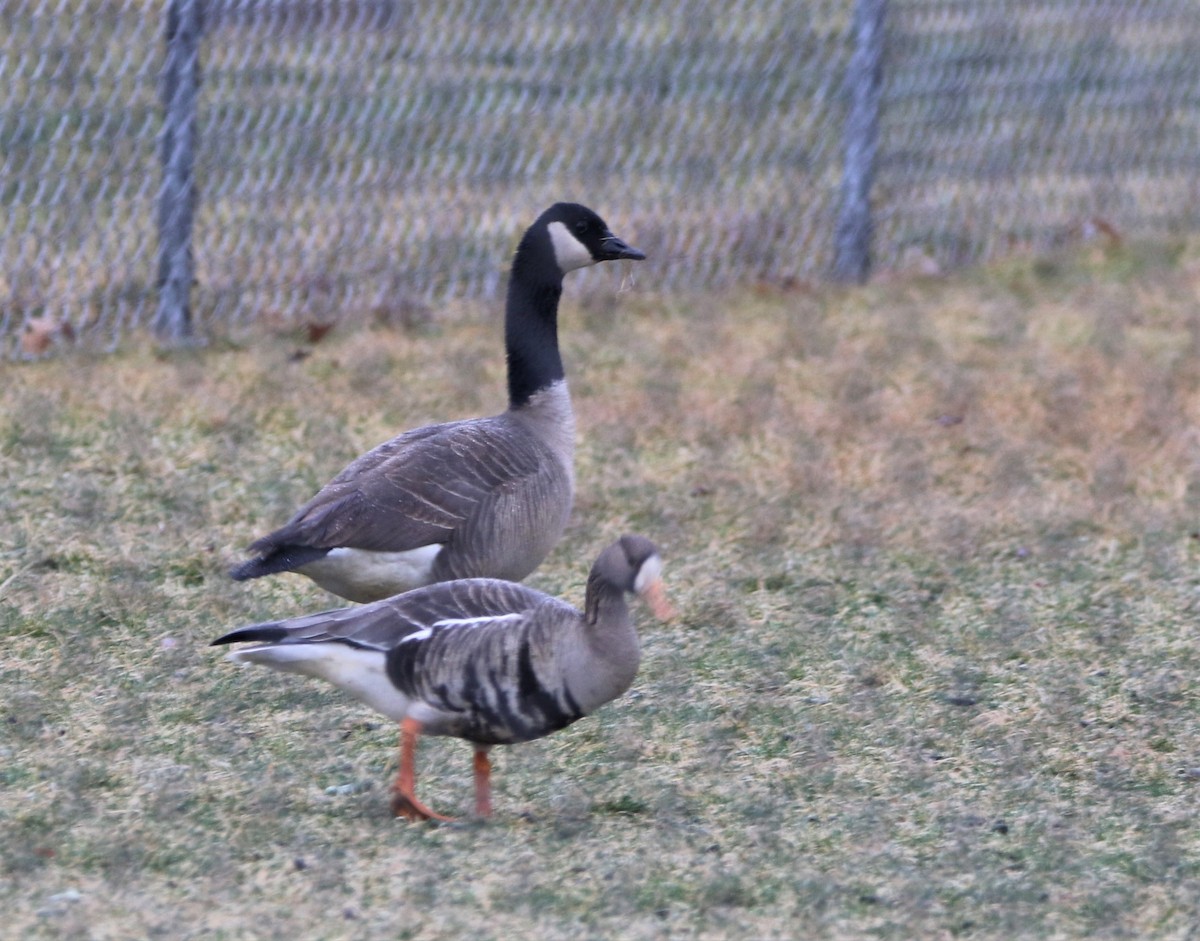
[564,237]
[633,564]
[576,237]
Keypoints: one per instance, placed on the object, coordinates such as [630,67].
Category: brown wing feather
[414,490]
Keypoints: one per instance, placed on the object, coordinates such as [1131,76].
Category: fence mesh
[1017,123]
[360,155]
[78,164]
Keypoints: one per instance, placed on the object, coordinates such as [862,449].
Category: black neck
[531,331]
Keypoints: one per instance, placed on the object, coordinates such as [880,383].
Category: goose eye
[581,227]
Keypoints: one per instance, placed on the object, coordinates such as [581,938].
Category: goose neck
[531,336]
[605,607]
[611,642]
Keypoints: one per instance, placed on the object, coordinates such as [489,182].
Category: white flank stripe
[475,622]
[463,623]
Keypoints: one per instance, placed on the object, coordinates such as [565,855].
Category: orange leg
[483,783]
[404,798]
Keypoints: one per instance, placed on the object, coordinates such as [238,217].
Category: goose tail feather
[279,559]
[266,633]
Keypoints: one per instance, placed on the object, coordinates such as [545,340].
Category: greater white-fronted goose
[486,497]
[481,659]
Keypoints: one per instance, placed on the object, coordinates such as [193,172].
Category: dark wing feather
[497,682]
[462,599]
[414,490]
[373,626]
[383,624]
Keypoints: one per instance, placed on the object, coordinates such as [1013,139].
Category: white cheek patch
[649,571]
[569,252]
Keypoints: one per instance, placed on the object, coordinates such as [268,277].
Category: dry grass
[934,546]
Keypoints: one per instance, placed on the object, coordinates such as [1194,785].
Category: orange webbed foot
[408,807]
[404,798]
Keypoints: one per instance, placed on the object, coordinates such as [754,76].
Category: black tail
[261,633]
[279,559]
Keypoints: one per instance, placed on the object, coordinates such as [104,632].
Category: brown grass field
[934,546]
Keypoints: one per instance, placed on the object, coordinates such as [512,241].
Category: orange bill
[656,597]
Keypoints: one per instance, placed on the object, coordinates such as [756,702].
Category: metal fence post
[177,198]
[852,240]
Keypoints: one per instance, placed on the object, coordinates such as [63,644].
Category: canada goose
[489,661]
[488,497]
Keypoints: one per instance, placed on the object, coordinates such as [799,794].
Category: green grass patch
[933,547]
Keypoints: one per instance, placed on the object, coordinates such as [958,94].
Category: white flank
[361,673]
[364,575]
[649,571]
[569,252]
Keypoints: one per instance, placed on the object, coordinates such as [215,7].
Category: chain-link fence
[377,155]
[1014,122]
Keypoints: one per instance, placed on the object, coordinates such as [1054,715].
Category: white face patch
[649,571]
[569,252]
